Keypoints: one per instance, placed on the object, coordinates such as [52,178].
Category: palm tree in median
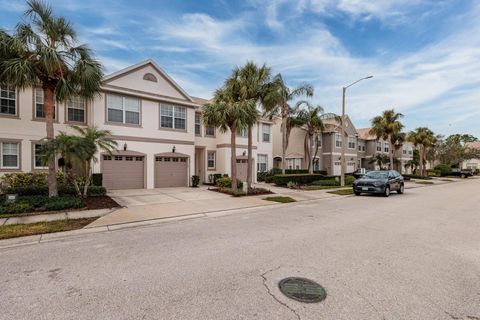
[311,120]
[277,102]
[250,82]
[45,53]
[227,113]
[387,127]
[423,138]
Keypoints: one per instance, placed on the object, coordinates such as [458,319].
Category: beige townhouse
[161,140]
[329,152]
[472,164]
[361,149]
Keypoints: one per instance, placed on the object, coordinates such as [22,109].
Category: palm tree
[79,149]
[277,103]
[227,113]
[387,127]
[250,82]
[45,52]
[399,139]
[311,120]
[93,141]
[423,138]
[380,159]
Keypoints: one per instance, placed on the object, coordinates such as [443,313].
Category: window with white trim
[379,146]
[209,131]
[262,162]
[76,110]
[39,105]
[8,101]
[294,163]
[265,132]
[10,155]
[351,142]
[338,140]
[211,159]
[361,146]
[198,124]
[124,110]
[37,157]
[316,164]
[173,117]
[386,147]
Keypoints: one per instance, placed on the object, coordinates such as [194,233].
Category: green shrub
[326,183]
[96,191]
[434,173]
[349,180]
[17,207]
[226,183]
[195,181]
[29,179]
[413,176]
[60,203]
[444,169]
[283,180]
[216,176]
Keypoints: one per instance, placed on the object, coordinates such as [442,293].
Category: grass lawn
[313,187]
[280,199]
[342,192]
[20,230]
[424,182]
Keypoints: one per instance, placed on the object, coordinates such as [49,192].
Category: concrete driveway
[142,197]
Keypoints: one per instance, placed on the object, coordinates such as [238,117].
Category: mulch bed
[102,202]
[256,192]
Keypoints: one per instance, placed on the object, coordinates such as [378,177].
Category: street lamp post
[343,167]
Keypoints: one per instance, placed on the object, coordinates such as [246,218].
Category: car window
[376,175]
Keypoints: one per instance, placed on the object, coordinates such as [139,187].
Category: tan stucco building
[161,140]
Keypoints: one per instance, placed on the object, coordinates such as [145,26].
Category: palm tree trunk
[315,154]
[87,178]
[284,143]
[48,108]
[233,154]
[391,152]
[421,160]
[250,159]
[306,148]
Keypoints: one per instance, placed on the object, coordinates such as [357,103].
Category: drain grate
[303,290]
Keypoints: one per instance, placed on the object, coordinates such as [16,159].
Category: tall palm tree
[277,102]
[423,138]
[311,118]
[399,139]
[93,141]
[387,127]
[227,113]
[250,82]
[44,51]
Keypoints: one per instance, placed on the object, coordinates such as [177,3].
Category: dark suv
[380,182]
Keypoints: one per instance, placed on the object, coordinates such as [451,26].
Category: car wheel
[356,193]
[401,190]
[386,193]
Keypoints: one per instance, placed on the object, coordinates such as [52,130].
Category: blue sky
[424,55]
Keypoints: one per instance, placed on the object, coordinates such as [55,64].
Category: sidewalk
[195,207]
[55,216]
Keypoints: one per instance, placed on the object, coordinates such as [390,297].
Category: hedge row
[283,180]
[40,203]
[63,190]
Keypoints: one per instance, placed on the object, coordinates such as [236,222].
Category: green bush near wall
[284,179]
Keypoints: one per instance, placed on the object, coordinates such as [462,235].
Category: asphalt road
[411,256]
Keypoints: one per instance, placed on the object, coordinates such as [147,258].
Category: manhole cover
[303,290]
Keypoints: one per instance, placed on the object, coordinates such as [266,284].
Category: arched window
[150,77]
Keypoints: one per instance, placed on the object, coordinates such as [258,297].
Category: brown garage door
[123,172]
[171,171]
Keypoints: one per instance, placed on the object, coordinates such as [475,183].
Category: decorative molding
[152,140]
